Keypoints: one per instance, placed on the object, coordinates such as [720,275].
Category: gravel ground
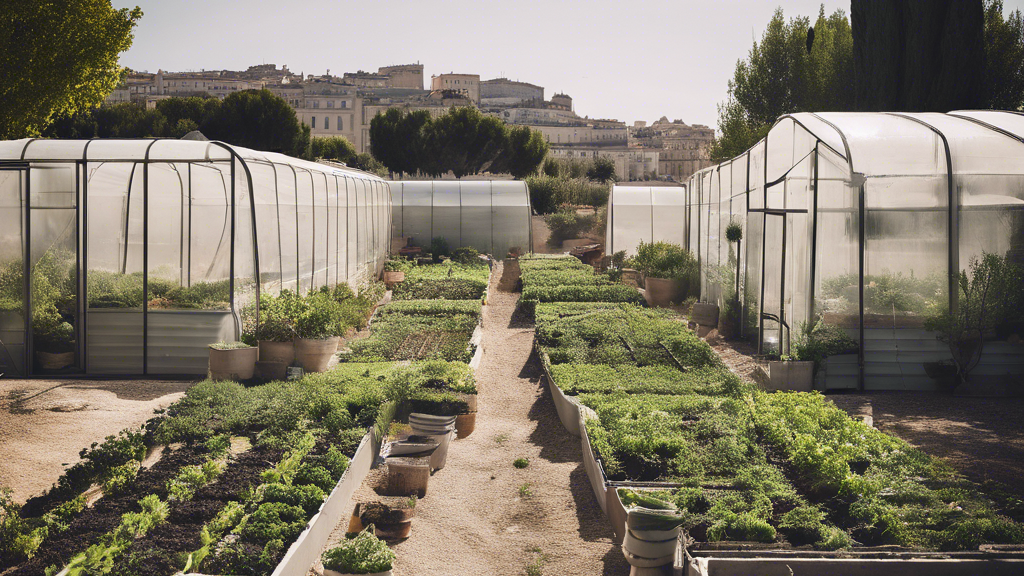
[45,423]
[473,519]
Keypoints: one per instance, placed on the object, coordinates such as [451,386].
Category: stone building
[470,83]
[403,75]
[630,163]
[684,149]
[504,92]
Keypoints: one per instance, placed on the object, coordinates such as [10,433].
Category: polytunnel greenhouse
[135,255]
[491,216]
[645,214]
[857,220]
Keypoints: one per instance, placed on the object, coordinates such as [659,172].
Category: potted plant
[276,332]
[394,271]
[232,360]
[362,553]
[318,329]
[729,319]
[669,272]
[53,338]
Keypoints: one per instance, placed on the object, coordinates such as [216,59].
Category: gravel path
[474,519]
[45,423]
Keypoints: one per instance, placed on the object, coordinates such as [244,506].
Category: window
[313,120]
[339,126]
[330,103]
[316,103]
[344,104]
[327,122]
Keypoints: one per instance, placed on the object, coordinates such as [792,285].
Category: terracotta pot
[393,277]
[663,291]
[465,424]
[396,531]
[282,352]
[55,360]
[704,314]
[315,355]
[234,364]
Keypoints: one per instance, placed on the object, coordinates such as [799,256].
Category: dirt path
[45,423]
[474,519]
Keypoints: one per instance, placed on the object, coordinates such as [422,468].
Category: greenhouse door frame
[21,168]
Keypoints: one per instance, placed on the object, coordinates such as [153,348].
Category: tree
[258,119]
[58,58]
[919,56]
[601,170]
[199,110]
[524,151]
[781,76]
[1004,57]
[463,141]
[332,148]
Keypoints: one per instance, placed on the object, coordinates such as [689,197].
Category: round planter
[663,291]
[55,360]
[280,352]
[315,355]
[648,548]
[407,476]
[465,424]
[438,457]
[639,562]
[235,364]
[394,531]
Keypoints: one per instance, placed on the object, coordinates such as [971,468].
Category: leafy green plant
[439,248]
[984,294]
[521,462]
[567,223]
[450,281]
[362,554]
[666,260]
[524,490]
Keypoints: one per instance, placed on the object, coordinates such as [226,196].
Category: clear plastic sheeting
[856,220]
[494,217]
[132,256]
[645,214]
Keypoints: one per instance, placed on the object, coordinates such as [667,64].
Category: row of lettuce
[784,468]
[243,469]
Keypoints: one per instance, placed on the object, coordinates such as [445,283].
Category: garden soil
[45,423]
[481,515]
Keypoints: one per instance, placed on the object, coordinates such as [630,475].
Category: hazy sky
[632,60]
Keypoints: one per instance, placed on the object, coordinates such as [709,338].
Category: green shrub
[362,554]
[310,473]
[667,260]
[567,223]
[449,281]
[274,521]
[576,379]
[309,497]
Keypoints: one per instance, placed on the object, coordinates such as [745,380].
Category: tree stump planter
[315,355]
[465,424]
[388,522]
[407,476]
[662,292]
[273,351]
[233,364]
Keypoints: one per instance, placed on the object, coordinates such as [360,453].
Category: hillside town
[344,105]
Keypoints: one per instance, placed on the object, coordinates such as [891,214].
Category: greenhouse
[645,214]
[491,216]
[857,220]
[134,255]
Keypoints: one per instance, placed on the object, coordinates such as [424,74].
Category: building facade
[504,92]
[684,149]
[470,83]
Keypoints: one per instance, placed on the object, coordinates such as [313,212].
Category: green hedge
[576,379]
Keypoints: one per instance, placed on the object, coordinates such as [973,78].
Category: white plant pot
[440,456]
[648,549]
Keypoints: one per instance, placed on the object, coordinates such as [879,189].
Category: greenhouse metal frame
[492,216]
[132,256]
[857,219]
